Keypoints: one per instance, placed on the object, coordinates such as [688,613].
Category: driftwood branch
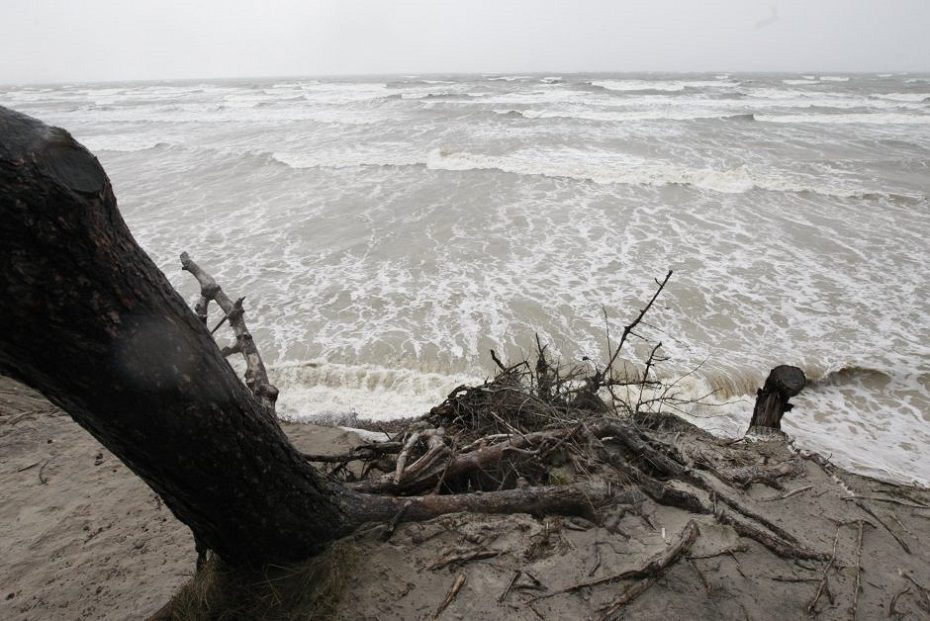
[426,471]
[256,376]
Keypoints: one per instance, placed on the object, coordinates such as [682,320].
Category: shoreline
[85,538]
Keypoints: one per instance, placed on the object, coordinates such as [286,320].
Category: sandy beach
[83,538]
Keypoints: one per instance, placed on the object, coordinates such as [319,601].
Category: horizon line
[410,74]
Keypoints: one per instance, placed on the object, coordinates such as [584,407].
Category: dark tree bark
[782,383]
[91,322]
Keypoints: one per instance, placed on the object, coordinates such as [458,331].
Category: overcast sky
[78,40]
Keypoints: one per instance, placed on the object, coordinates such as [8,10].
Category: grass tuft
[307,591]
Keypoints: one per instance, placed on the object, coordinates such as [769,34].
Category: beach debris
[823,585]
[453,591]
[772,403]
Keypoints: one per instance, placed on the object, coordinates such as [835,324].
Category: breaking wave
[660,85]
[316,389]
[600,167]
[744,383]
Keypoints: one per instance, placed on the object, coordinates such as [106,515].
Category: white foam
[605,167]
[121,142]
[850,408]
[316,391]
[861,118]
[918,97]
[310,390]
[660,85]
[800,82]
[376,254]
[370,155]
[834,78]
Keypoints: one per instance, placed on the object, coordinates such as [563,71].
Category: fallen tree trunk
[92,323]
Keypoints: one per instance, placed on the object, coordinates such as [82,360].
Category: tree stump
[782,383]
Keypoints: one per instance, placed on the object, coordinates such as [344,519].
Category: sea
[387,232]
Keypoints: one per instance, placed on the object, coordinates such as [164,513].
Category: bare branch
[629,328]
[256,376]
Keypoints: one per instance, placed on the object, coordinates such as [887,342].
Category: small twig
[794,492]
[900,541]
[855,604]
[893,501]
[458,557]
[655,567]
[453,591]
[30,466]
[822,585]
[700,575]
[597,559]
[498,362]
[739,568]
[894,601]
[237,306]
[536,612]
[794,579]
[629,328]
[392,525]
[902,525]
[688,536]
[920,589]
[506,592]
[42,479]
[649,363]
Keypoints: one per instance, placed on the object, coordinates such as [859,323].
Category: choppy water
[392,230]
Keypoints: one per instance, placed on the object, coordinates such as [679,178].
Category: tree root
[655,567]
[426,472]
[773,544]
[895,535]
[677,494]
[745,476]
[579,499]
[651,572]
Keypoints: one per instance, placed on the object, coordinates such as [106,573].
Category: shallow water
[390,231]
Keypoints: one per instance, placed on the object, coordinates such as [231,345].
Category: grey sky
[76,40]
